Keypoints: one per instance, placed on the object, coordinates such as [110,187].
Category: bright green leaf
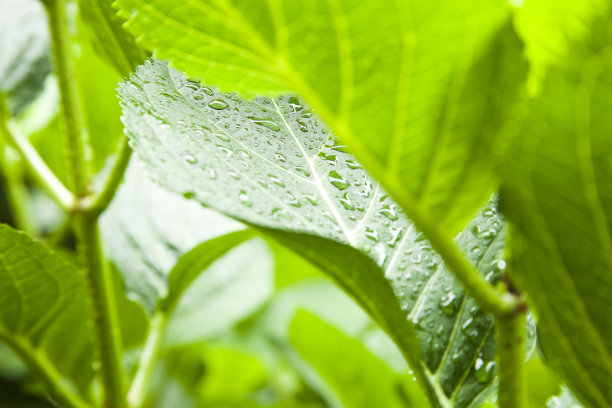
[417,90]
[548,28]
[198,259]
[115,44]
[357,377]
[44,313]
[273,164]
[558,193]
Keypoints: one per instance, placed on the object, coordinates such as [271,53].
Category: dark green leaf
[44,313]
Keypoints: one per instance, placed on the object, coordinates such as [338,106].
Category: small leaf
[198,259]
[357,377]
[273,164]
[44,313]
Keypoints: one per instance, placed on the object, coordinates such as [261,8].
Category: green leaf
[114,44]
[565,400]
[146,238]
[357,377]
[198,259]
[44,314]
[431,80]
[558,194]
[549,27]
[273,164]
[24,47]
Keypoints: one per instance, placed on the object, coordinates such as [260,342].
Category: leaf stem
[59,387]
[98,203]
[105,319]
[47,179]
[148,360]
[511,358]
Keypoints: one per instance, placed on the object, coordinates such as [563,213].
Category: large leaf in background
[24,49]
[273,164]
[115,44]
[357,378]
[416,89]
[146,237]
[548,28]
[44,312]
[558,193]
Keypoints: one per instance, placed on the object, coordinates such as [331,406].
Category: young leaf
[273,164]
[358,378]
[44,315]
[115,44]
[557,191]
[416,90]
[145,238]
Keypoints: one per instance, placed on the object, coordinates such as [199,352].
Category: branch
[511,357]
[105,319]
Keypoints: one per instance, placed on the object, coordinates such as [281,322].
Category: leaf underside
[273,164]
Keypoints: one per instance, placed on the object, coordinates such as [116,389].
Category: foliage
[332,203]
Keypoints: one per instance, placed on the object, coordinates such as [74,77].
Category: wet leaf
[273,164]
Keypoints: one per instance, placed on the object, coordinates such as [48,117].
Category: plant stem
[148,360]
[16,192]
[511,358]
[39,364]
[105,318]
[47,179]
[99,203]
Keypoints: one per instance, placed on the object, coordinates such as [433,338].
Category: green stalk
[511,358]
[105,318]
[148,360]
[99,203]
[37,166]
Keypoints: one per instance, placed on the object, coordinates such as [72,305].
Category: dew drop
[483,370]
[389,211]
[266,122]
[352,164]
[346,202]
[244,199]
[218,104]
[208,91]
[222,136]
[191,159]
[198,96]
[447,303]
[372,234]
[303,171]
[276,180]
[295,104]
[338,181]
